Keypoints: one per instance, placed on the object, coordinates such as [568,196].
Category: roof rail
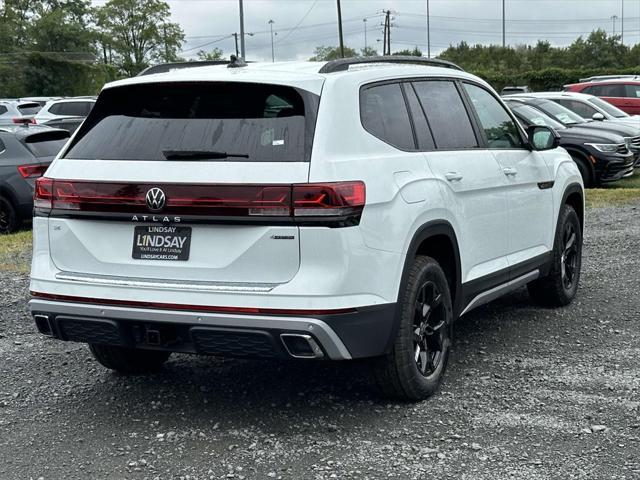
[601,78]
[167,67]
[342,64]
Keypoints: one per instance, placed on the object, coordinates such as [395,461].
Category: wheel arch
[583,156]
[574,196]
[437,239]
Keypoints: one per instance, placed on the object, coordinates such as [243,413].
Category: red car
[623,93]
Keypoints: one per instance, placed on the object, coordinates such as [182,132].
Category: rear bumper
[365,332]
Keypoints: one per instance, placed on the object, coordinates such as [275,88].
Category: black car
[25,154]
[601,155]
[570,119]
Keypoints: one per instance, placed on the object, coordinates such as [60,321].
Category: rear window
[29,108]
[199,121]
[71,109]
[46,144]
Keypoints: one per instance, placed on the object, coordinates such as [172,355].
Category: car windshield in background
[560,113]
[607,107]
[29,108]
[534,116]
[252,122]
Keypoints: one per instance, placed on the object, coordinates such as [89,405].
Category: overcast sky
[301,25]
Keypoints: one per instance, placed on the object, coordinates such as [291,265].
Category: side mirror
[598,116]
[542,137]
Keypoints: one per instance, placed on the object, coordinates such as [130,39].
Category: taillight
[328,199]
[32,171]
[43,194]
[23,121]
[299,201]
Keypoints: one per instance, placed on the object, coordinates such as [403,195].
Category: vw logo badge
[155,199]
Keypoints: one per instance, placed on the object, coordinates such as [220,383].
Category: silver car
[16,112]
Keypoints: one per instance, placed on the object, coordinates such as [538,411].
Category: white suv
[345,210]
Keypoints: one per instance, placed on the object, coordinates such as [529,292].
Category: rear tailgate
[183,182]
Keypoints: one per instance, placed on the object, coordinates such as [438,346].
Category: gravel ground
[529,393]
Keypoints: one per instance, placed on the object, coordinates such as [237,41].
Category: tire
[559,287]
[9,220]
[416,364]
[585,172]
[129,361]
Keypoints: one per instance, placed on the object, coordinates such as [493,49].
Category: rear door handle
[510,172]
[453,176]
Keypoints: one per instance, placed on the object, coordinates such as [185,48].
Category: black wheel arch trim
[569,190]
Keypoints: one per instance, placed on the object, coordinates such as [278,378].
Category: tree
[416,52]
[369,52]
[324,54]
[140,33]
[215,54]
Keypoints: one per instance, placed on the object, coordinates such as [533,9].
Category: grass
[618,193]
[15,252]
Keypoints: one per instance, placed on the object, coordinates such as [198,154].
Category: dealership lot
[530,393]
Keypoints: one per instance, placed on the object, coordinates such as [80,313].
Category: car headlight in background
[605,147]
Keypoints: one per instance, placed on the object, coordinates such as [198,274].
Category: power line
[299,23]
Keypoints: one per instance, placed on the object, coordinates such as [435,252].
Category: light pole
[340,30]
[504,36]
[273,55]
[622,24]
[242,49]
[364,21]
[428,33]
[613,19]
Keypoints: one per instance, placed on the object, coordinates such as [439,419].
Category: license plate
[159,242]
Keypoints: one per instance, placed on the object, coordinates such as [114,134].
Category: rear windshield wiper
[200,155]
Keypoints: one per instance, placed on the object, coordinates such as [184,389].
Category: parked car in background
[39,100]
[570,119]
[590,107]
[601,156]
[15,112]
[66,113]
[25,154]
[513,90]
[624,93]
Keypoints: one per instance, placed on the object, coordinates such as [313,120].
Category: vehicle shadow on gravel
[199,388]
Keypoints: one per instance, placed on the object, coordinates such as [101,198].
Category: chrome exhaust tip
[43,324]
[300,345]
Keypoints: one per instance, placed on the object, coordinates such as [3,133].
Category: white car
[590,106]
[65,108]
[343,210]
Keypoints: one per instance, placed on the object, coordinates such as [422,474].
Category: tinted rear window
[46,144]
[29,108]
[259,122]
[71,109]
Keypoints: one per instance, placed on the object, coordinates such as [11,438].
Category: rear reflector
[193,308]
[32,171]
[338,199]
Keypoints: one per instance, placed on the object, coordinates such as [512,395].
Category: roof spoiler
[343,64]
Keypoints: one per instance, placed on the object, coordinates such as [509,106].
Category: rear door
[185,181]
[470,177]
[614,93]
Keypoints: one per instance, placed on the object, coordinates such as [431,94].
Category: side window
[384,114]
[3,110]
[612,90]
[580,108]
[423,132]
[446,113]
[633,91]
[500,129]
[56,109]
[3,148]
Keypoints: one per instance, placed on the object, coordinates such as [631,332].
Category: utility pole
[364,21]
[386,46]
[504,36]
[614,18]
[622,24]
[340,30]
[235,35]
[166,45]
[428,33]
[273,55]
[242,50]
